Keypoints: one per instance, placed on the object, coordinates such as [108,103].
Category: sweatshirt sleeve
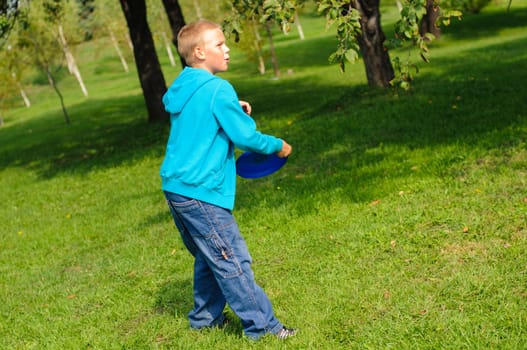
[239,127]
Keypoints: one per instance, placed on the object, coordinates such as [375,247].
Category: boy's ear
[199,53]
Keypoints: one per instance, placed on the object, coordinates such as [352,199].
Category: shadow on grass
[102,133]
[175,297]
[486,23]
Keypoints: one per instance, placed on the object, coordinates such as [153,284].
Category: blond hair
[191,36]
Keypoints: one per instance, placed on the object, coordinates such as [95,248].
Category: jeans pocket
[212,231]
[225,261]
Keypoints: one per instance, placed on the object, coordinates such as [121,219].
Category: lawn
[399,222]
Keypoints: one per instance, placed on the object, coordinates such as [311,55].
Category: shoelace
[286,333]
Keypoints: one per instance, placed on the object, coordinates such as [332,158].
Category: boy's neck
[199,66]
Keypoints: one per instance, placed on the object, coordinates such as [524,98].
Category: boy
[199,179]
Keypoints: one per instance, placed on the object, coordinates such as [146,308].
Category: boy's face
[213,53]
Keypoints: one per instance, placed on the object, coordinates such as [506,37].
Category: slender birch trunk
[118,50]
[22,91]
[299,26]
[24,95]
[261,61]
[169,49]
[72,65]
[399,5]
[198,9]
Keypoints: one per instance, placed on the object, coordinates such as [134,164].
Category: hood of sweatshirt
[184,87]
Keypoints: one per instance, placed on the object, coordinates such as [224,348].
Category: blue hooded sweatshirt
[207,122]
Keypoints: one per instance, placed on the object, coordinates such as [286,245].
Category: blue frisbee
[252,165]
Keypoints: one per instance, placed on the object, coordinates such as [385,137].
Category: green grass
[400,221]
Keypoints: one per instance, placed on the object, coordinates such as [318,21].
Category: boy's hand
[246,107]
[286,150]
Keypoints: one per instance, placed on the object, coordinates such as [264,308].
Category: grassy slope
[400,222]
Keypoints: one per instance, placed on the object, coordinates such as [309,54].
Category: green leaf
[425,56]
[351,55]
[430,36]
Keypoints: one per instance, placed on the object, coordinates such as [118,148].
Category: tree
[11,73]
[148,67]
[108,23]
[12,67]
[160,27]
[359,30]
[85,15]
[176,20]
[9,11]
[55,12]
[40,45]
[247,14]
[429,20]
[9,79]
[371,38]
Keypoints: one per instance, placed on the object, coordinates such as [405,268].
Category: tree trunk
[379,69]
[21,89]
[274,59]
[24,95]
[72,64]
[198,10]
[148,67]
[44,65]
[261,62]
[168,48]
[118,50]
[428,22]
[399,5]
[176,20]
[299,26]
[53,83]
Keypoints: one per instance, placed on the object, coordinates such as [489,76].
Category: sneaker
[285,333]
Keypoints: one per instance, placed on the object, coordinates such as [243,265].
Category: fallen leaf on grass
[71,296]
[161,339]
[75,268]
[375,202]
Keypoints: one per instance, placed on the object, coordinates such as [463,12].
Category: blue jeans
[222,268]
